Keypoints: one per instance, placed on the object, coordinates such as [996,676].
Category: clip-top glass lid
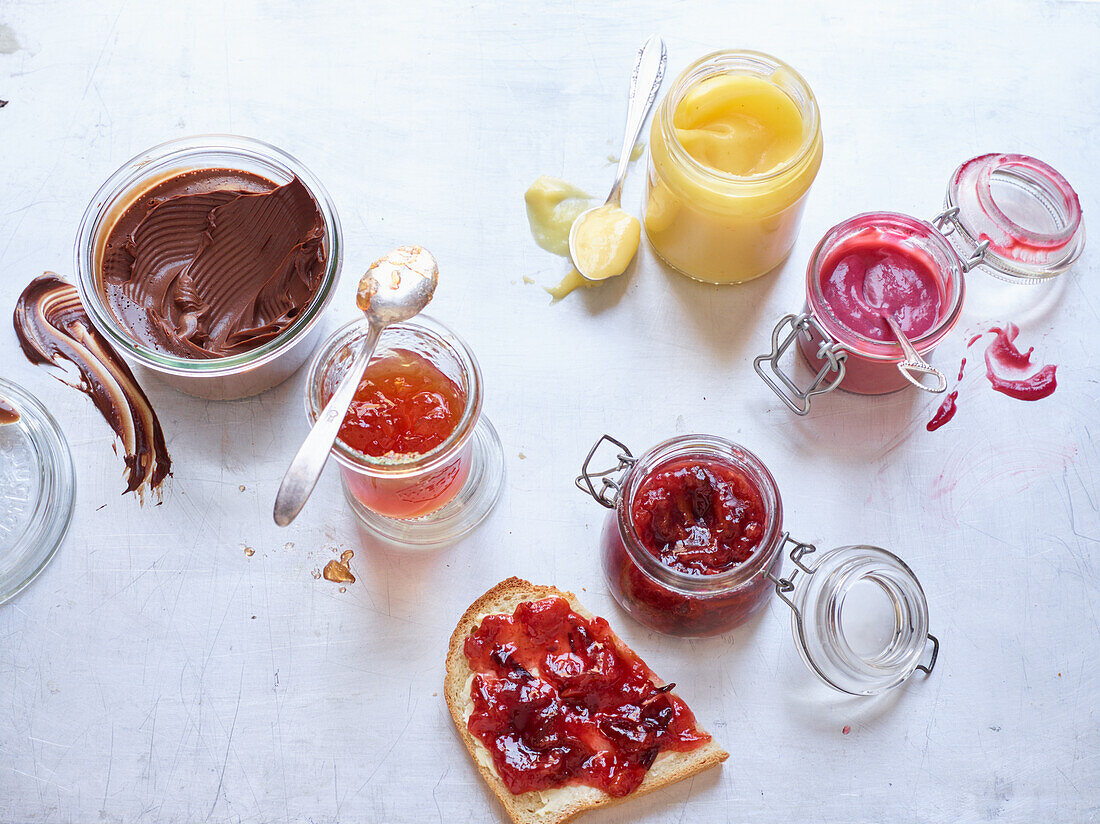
[1023,209]
[859,617]
[36,488]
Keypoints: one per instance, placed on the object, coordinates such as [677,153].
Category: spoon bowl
[398,286]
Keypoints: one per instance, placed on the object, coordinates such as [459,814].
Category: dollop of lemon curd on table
[552,206]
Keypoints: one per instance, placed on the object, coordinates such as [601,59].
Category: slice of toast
[560,804]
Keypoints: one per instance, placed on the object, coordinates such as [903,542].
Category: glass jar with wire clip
[693,545]
[884,289]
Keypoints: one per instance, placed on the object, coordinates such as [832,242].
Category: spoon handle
[914,365]
[645,81]
[305,469]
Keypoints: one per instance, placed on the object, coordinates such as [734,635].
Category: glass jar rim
[699,71]
[819,601]
[980,218]
[429,327]
[862,345]
[45,531]
[712,446]
[134,177]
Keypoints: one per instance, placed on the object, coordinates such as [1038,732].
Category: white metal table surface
[155,672]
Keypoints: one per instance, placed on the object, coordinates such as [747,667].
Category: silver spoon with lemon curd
[603,240]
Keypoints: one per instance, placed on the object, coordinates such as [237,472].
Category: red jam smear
[701,517]
[871,276]
[404,405]
[558,700]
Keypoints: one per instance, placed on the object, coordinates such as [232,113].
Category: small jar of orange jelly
[421,465]
[734,148]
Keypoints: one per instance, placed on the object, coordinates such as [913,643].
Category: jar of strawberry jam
[420,463]
[1011,215]
[693,545]
[695,529]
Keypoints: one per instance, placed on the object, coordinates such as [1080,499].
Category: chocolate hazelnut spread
[213,262]
[53,328]
[8,413]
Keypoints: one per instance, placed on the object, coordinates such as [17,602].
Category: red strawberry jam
[698,516]
[404,405]
[558,700]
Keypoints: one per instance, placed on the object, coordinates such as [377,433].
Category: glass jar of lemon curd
[734,148]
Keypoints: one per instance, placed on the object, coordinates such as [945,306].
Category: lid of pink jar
[1023,208]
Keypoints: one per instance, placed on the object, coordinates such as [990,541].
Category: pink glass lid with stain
[1025,210]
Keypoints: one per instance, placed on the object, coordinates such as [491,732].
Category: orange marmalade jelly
[404,405]
[558,700]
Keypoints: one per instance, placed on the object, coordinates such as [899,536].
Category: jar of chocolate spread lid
[693,545]
[1012,215]
[37,488]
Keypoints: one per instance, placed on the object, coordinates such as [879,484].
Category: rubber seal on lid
[1024,208]
[37,489]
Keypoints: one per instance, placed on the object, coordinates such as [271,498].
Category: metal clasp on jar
[949,218]
[833,353]
[610,480]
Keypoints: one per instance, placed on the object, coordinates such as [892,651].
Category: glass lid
[1022,210]
[859,617]
[36,488]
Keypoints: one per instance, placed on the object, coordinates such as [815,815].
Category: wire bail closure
[610,480]
[786,585]
[946,222]
[833,353]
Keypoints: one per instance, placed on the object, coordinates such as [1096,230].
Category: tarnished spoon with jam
[395,288]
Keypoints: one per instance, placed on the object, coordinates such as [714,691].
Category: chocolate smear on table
[53,329]
[8,413]
[338,571]
[214,262]
[3,103]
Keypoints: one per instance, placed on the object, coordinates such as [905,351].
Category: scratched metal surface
[156,672]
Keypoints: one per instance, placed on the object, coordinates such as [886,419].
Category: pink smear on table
[1011,371]
[945,413]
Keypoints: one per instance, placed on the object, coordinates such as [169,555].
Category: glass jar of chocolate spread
[210,261]
[693,546]
[1011,215]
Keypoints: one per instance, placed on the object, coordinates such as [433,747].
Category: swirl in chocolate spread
[52,328]
[214,262]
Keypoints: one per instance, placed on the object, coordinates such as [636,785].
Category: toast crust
[560,804]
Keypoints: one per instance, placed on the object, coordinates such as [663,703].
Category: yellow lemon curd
[732,158]
[605,241]
[552,206]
